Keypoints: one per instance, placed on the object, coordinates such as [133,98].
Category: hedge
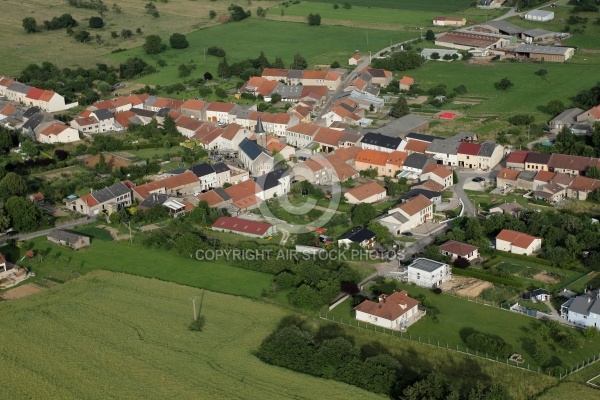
[492,261]
[486,277]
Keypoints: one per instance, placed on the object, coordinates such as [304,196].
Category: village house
[219,112]
[414,165]
[106,200]
[592,115]
[571,165]
[46,100]
[215,198]
[454,250]
[68,239]
[368,193]
[379,77]
[210,176]
[540,295]
[583,311]
[507,178]
[274,184]
[380,142]
[581,187]
[244,227]
[490,154]
[417,210]
[55,132]
[406,82]
[244,195]
[437,173]
[565,119]
[516,159]
[517,242]
[428,273]
[356,59]
[537,161]
[467,155]
[397,311]
[432,195]
[195,109]
[513,208]
[256,159]
[179,185]
[445,151]
[362,237]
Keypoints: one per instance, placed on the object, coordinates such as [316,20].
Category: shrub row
[492,261]
[486,277]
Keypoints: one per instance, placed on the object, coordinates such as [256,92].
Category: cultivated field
[181,16]
[319,45]
[113,335]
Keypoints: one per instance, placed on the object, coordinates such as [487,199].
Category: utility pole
[194,298]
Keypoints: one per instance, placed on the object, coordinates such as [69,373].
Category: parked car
[478,179]
[407,234]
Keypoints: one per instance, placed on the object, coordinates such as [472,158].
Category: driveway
[465,181]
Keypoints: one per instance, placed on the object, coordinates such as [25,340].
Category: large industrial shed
[546,53]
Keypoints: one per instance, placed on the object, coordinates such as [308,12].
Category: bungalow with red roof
[368,193]
[397,311]
[406,82]
[355,59]
[55,132]
[517,242]
[454,250]
[244,227]
[467,155]
[175,185]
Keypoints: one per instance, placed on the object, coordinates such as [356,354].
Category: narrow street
[31,235]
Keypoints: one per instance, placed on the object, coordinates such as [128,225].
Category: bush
[178,41]
[216,51]
[491,262]
[96,22]
[489,344]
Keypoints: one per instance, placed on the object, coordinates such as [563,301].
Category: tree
[462,263]
[335,64]
[223,69]
[278,63]
[237,13]
[221,93]
[362,213]
[275,98]
[521,120]
[261,12]
[454,177]
[184,70]
[30,25]
[138,31]
[447,57]
[261,62]
[335,6]
[178,41]
[12,185]
[151,10]
[104,87]
[216,51]
[153,44]
[299,62]
[504,84]
[435,55]
[541,73]
[188,244]
[555,107]
[101,167]
[382,234]
[400,108]
[126,33]
[4,221]
[430,35]
[347,5]
[114,34]
[82,36]
[23,214]
[593,172]
[96,22]
[433,252]
[590,333]
[6,142]
[314,19]
[28,149]
[212,14]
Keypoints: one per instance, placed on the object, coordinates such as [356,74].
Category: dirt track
[21,291]
[465,287]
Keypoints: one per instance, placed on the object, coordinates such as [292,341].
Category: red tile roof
[316,92]
[517,157]
[193,104]
[415,205]
[211,197]
[242,225]
[389,307]
[34,93]
[584,184]
[220,107]
[517,239]
[6,82]
[243,190]
[172,182]
[123,118]
[365,191]
[374,157]
[89,200]
[47,95]
[416,146]
[595,112]
[396,158]
[8,109]
[510,174]
[54,129]
[407,80]
[544,176]
[280,73]
[432,185]
[458,248]
[471,149]
[230,131]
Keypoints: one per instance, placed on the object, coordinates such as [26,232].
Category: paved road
[31,235]
[464,177]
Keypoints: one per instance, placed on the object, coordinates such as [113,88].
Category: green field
[392,18]
[568,391]
[134,259]
[458,316]
[319,45]
[529,90]
[439,6]
[117,336]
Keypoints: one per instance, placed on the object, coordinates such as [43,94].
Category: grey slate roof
[358,236]
[422,137]
[150,100]
[220,167]
[31,111]
[487,148]
[538,158]
[154,199]
[540,13]
[163,112]
[425,264]
[376,73]
[111,192]
[397,216]
[537,33]
[295,74]
[527,175]
[103,114]
[584,305]
[222,193]
[270,180]
[430,194]
[251,149]
[505,27]
[568,116]
[33,122]
[416,160]
[66,236]
[443,146]
[381,140]
[202,169]
[289,91]
[142,112]
[19,87]
[534,48]
[402,125]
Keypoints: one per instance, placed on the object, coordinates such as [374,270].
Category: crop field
[432,5]
[529,91]
[119,336]
[457,317]
[134,259]
[391,18]
[319,45]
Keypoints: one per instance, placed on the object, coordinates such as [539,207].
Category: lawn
[319,45]
[570,390]
[127,336]
[56,47]
[438,6]
[136,260]
[529,91]
[458,316]
[390,17]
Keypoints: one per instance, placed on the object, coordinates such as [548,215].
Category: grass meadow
[120,336]
[439,6]
[570,390]
[121,256]
[458,317]
[245,39]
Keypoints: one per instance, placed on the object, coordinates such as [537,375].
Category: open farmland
[319,45]
[432,5]
[122,256]
[126,337]
[181,16]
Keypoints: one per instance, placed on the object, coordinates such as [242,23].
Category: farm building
[537,35]
[449,21]
[396,311]
[68,239]
[463,40]
[539,15]
[244,227]
[499,27]
[428,273]
[545,53]
[426,54]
